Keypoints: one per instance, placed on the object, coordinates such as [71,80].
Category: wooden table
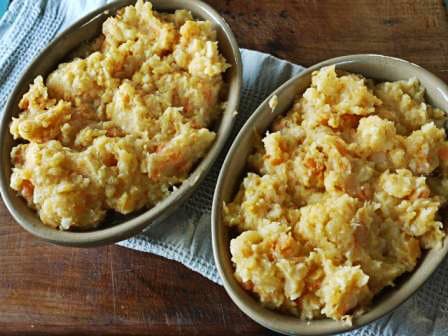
[46,289]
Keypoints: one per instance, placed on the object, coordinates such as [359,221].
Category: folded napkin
[185,236]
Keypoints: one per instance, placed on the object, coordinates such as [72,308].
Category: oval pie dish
[117,227]
[372,66]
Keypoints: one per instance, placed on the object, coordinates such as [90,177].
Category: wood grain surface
[46,289]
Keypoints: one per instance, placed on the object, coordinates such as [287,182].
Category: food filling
[122,123]
[341,196]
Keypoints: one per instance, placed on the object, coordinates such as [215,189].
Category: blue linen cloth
[28,26]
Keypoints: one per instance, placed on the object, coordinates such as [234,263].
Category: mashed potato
[341,197]
[120,126]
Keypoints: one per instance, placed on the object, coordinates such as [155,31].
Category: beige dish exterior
[371,66]
[83,30]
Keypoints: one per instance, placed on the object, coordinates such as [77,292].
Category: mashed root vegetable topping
[341,197]
[121,125]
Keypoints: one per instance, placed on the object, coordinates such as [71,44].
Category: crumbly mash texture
[121,125]
[341,196]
